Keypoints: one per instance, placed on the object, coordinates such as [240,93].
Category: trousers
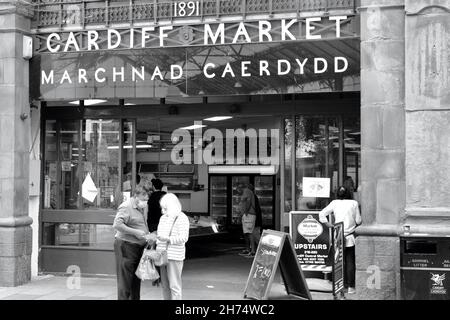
[254,239]
[128,256]
[350,267]
[171,280]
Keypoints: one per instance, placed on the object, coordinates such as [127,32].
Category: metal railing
[60,14]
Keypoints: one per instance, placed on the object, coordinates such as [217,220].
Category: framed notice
[312,240]
[316,187]
[66,166]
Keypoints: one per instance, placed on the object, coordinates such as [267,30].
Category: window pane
[317,155]
[237,181]
[69,153]
[81,235]
[288,142]
[101,163]
[51,165]
[352,161]
[124,192]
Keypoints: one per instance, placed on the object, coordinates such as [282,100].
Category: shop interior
[86,176]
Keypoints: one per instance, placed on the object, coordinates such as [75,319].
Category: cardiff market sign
[246,57]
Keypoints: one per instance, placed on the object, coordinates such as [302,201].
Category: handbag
[146,269]
[160,256]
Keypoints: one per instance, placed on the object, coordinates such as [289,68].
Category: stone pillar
[428,116]
[15,230]
[382,148]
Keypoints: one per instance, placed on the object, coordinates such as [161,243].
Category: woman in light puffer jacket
[172,234]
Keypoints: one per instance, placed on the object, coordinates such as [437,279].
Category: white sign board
[316,187]
[88,189]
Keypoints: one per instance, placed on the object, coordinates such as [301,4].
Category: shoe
[250,255]
[244,253]
[351,290]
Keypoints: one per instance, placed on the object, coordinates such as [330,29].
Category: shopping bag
[146,269]
[159,257]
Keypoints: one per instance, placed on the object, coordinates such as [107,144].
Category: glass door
[316,156]
[236,182]
[83,174]
[264,190]
[218,199]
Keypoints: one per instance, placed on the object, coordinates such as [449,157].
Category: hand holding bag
[160,256]
[146,269]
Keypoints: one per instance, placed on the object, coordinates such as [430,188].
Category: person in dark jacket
[154,208]
[256,234]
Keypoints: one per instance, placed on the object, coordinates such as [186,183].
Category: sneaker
[250,255]
[244,253]
[351,290]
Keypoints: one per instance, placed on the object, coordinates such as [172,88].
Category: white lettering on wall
[205,70]
[135,72]
[336,64]
[163,35]
[310,28]
[264,31]
[285,29]
[92,40]
[220,32]
[47,79]
[338,20]
[241,31]
[82,76]
[49,40]
[316,65]
[287,69]
[145,35]
[71,41]
[116,33]
[97,75]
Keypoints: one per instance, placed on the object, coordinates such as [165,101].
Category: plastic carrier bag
[146,269]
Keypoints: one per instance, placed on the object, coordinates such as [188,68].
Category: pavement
[222,276]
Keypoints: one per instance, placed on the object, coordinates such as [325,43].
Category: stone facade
[428,116]
[405,148]
[405,138]
[15,230]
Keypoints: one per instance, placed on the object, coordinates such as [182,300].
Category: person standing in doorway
[154,207]
[131,237]
[154,211]
[172,235]
[345,210]
[247,207]
[349,184]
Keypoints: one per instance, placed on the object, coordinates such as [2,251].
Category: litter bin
[425,267]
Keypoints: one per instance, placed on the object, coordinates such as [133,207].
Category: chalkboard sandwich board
[275,249]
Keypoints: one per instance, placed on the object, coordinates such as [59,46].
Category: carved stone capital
[19,7]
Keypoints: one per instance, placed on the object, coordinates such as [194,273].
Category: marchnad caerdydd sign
[257,57]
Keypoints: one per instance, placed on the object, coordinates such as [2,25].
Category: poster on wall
[311,240]
[66,166]
[88,189]
[316,187]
